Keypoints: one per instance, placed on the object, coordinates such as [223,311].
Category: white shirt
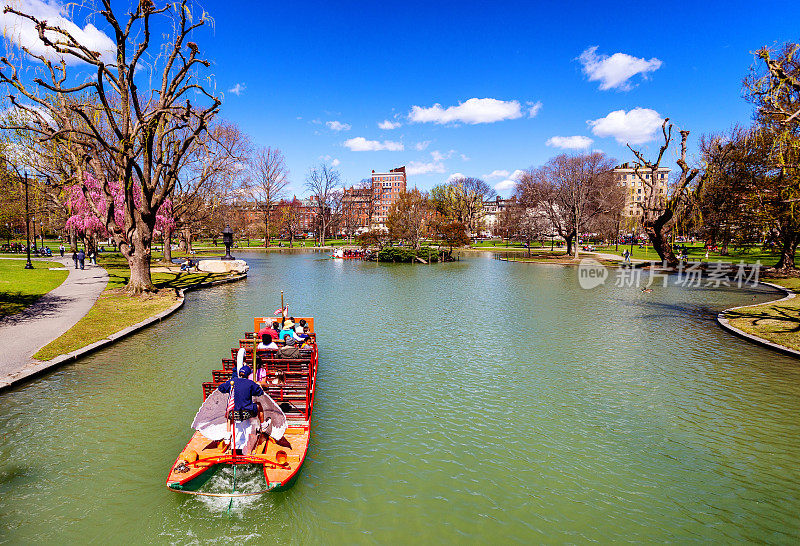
[270,346]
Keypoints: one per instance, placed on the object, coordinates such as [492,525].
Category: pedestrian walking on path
[61,249]
[75,258]
[81,257]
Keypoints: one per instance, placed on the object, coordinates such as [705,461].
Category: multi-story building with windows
[386,188]
[636,190]
[356,204]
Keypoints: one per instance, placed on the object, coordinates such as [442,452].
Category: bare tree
[210,173]
[408,217]
[323,182]
[125,135]
[572,191]
[289,218]
[659,210]
[268,179]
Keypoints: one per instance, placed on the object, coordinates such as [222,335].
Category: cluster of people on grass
[248,383]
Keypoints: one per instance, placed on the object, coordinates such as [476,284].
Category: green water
[478,401]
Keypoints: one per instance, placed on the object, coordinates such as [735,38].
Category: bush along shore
[425,255]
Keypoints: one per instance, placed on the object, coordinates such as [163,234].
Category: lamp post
[28,264]
[8,234]
[227,240]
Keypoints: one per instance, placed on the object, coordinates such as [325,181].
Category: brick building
[356,205]
[386,188]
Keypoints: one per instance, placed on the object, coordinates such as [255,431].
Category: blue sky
[315,79]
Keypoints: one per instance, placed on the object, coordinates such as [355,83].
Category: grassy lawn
[776,322]
[697,252]
[116,310]
[557,257]
[21,287]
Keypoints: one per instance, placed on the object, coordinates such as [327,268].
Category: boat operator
[244,409]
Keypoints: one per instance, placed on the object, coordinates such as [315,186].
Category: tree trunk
[138,254]
[788,250]
[266,232]
[187,238]
[73,240]
[167,245]
[569,239]
[660,240]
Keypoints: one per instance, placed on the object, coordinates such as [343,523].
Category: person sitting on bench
[289,350]
[267,343]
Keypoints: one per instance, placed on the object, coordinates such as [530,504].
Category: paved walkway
[23,334]
[611,257]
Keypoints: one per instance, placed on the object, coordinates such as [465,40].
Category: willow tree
[461,200]
[110,126]
[774,89]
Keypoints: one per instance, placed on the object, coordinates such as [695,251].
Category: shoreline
[38,368]
[725,323]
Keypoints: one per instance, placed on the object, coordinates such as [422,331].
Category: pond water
[474,401]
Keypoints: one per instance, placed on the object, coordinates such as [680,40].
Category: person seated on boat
[288,328]
[271,329]
[300,331]
[244,409]
[267,343]
[289,349]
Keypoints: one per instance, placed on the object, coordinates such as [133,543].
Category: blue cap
[244,371]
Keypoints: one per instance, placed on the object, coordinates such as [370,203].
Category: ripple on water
[476,401]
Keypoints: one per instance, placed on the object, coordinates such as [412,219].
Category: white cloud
[455,176]
[496,174]
[237,89]
[336,162]
[389,125]
[422,145]
[472,111]
[337,126]
[533,108]
[361,144]
[569,142]
[439,156]
[22,32]
[419,167]
[27,114]
[510,182]
[615,71]
[505,185]
[634,127]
